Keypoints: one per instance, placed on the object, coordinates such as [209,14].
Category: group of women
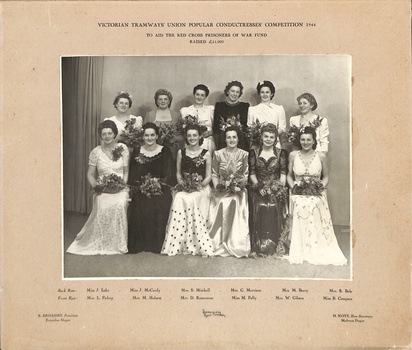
[229,212]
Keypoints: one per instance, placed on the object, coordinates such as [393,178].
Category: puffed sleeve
[283,161]
[282,118]
[294,121]
[133,166]
[125,155]
[252,162]
[323,142]
[94,155]
[216,164]
[169,169]
[245,164]
[139,121]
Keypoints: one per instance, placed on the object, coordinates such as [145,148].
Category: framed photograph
[341,66]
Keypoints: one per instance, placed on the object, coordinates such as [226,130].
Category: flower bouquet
[168,135]
[292,134]
[230,121]
[151,186]
[191,120]
[274,190]
[254,132]
[109,183]
[132,136]
[232,183]
[192,182]
[309,186]
[117,153]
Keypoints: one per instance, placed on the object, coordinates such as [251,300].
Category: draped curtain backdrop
[82,101]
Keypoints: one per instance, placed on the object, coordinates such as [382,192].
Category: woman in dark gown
[231,111]
[266,163]
[149,212]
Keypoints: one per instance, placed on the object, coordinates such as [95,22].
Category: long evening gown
[187,227]
[148,216]
[312,236]
[266,218]
[229,213]
[224,110]
[205,115]
[105,231]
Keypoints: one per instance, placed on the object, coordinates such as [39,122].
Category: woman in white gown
[105,231]
[123,102]
[186,230]
[204,113]
[312,236]
[266,111]
[229,209]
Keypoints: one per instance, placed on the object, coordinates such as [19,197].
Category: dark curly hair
[201,87]
[150,125]
[269,128]
[107,124]
[122,95]
[311,131]
[198,129]
[310,98]
[231,84]
[268,84]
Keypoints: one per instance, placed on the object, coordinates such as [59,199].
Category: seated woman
[105,232]
[267,172]
[186,230]
[266,111]
[229,209]
[123,102]
[204,113]
[312,236]
[233,112]
[151,173]
[307,104]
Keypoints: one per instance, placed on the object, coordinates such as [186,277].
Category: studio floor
[188,266]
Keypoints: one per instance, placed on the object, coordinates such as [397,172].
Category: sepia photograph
[207,166]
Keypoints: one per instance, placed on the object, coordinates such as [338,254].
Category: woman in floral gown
[151,174]
[105,231]
[229,209]
[312,236]
[267,167]
[186,230]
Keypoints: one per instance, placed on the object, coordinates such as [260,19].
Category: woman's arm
[91,175]
[290,175]
[325,169]
[125,173]
[208,175]
[215,169]
[178,167]
[323,143]
[282,121]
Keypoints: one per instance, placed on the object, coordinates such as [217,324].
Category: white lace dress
[313,238]
[105,231]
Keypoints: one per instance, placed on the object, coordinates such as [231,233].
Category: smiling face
[163,102]
[192,137]
[149,137]
[122,105]
[265,94]
[200,97]
[268,138]
[107,135]
[305,106]
[233,94]
[232,139]
[306,141]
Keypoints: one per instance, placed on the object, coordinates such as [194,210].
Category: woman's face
[107,135]
[306,141]
[304,106]
[231,139]
[268,139]
[265,94]
[200,96]
[193,137]
[163,102]
[149,137]
[122,105]
[233,94]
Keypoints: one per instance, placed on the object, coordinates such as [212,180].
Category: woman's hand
[262,192]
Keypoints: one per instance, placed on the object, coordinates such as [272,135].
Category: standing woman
[229,210]
[266,111]
[307,104]
[123,102]
[162,114]
[105,231]
[312,236]
[232,110]
[266,164]
[204,113]
[186,230]
[151,171]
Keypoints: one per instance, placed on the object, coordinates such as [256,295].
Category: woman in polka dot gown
[187,227]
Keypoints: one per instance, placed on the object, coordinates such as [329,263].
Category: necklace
[306,164]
